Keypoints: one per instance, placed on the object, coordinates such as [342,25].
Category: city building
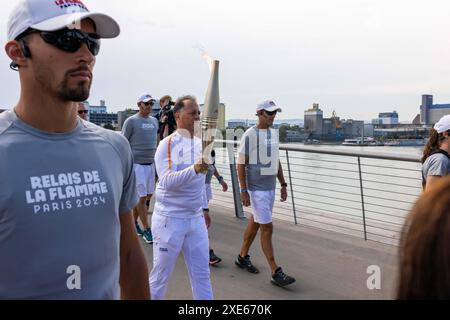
[329,129]
[236,124]
[401,131]
[124,115]
[431,113]
[102,108]
[99,114]
[295,136]
[377,122]
[102,119]
[314,120]
[416,120]
[220,118]
[369,130]
[332,128]
[352,128]
[388,118]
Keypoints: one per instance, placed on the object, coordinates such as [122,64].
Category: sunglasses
[150,103]
[83,111]
[69,40]
[271,113]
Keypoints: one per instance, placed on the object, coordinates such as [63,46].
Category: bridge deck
[326,265]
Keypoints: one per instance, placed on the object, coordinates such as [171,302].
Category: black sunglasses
[69,40]
[83,111]
[150,103]
[271,113]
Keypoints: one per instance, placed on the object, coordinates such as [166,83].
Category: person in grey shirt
[67,187]
[258,168]
[436,158]
[141,130]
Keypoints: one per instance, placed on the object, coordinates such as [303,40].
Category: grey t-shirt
[142,133]
[261,147]
[60,200]
[436,165]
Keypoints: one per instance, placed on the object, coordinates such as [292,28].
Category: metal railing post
[290,185]
[238,208]
[362,198]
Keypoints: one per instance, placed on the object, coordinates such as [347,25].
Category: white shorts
[262,205]
[145,179]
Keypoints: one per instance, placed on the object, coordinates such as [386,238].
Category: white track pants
[170,236]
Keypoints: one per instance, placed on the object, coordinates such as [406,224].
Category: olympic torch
[210,113]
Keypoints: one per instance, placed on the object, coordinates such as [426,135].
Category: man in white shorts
[258,167]
[141,130]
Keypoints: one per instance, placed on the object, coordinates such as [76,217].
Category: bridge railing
[362,194]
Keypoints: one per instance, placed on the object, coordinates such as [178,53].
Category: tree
[109,126]
[283,133]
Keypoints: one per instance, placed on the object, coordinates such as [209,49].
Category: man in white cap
[141,130]
[67,187]
[436,158]
[258,168]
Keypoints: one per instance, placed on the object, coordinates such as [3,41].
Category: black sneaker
[245,263]
[281,279]
[139,231]
[213,259]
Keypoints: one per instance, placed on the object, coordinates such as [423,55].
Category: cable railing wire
[314,209]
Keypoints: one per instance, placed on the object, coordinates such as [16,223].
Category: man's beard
[78,94]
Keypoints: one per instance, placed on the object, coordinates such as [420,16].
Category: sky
[357,57]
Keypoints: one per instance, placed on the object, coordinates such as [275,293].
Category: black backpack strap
[445,153]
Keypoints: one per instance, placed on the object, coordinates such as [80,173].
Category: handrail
[331,151]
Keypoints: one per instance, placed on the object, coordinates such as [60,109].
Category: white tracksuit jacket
[178,223]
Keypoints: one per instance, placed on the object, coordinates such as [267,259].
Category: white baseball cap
[53,15]
[146,98]
[268,105]
[443,124]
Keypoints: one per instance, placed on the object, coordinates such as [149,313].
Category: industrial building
[387,118]
[124,115]
[431,113]
[332,128]
[314,120]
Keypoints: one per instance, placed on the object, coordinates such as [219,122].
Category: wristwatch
[284,185]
